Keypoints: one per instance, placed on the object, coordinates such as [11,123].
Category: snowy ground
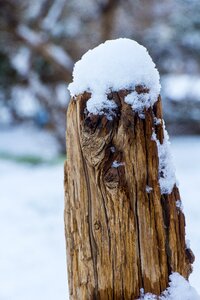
[27,141]
[32,252]
[187,161]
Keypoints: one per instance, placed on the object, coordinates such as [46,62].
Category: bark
[119,237]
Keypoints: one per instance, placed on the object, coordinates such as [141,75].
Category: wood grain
[119,237]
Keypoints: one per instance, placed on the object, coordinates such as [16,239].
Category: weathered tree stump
[122,233]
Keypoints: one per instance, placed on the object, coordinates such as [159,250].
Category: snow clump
[117,164]
[167,177]
[112,66]
[179,289]
[179,204]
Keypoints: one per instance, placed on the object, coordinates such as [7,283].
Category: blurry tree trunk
[108,12]
[121,237]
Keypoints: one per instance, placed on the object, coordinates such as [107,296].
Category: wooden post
[122,234]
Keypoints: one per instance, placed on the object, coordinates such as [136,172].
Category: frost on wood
[179,204]
[167,178]
[117,164]
[113,66]
[148,189]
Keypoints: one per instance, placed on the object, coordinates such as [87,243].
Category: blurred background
[40,41]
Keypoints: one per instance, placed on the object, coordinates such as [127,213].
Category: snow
[113,66]
[179,204]
[25,102]
[180,87]
[32,253]
[149,189]
[188,173]
[117,164]
[62,94]
[157,121]
[5,115]
[50,21]
[139,102]
[38,88]
[28,141]
[33,10]
[112,149]
[39,39]
[179,289]
[98,104]
[187,244]
[167,178]
[21,61]
[60,56]
[32,37]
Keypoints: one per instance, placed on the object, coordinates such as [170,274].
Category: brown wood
[119,237]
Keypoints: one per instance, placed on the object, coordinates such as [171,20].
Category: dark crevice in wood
[138,225]
[138,241]
[147,150]
[165,211]
[157,110]
[93,244]
[103,195]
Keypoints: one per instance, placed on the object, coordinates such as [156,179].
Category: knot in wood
[97,225]
[112,178]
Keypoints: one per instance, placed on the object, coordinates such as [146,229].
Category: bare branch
[53,53]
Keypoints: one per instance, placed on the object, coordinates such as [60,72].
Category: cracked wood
[120,238]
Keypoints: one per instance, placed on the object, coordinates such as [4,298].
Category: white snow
[113,66]
[62,95]
[180,87]
[60,56]
[21,60]
[38,88]
[38,39]
[31,36]
[187,244]
[188,172]
[98,103]
[149,189]
[33,10]
[28,141]
[179,204]
[117,164]
[167,178]
[179,289]
[51,19]
[139,102]
[157,121]
[5,115]
[32,252]
[24,100]
[112,149]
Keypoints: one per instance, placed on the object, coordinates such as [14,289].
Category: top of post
[120,64]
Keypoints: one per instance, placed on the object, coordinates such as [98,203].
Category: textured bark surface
[119,237]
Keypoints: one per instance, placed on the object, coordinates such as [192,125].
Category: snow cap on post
[113,66]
